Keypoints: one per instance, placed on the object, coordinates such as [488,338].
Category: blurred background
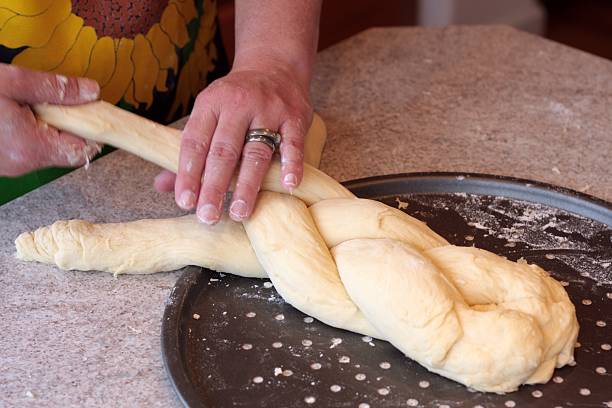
[583,24]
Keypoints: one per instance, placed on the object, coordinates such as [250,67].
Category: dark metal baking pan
[248,348]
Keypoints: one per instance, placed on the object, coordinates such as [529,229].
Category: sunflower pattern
[139,52]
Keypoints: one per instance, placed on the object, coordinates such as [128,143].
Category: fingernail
[238,209]
[89,90]
[290,180]
[187,200]
[208,214]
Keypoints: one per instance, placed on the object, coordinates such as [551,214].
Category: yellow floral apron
[149,56]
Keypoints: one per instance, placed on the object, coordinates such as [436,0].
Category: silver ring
[266,136]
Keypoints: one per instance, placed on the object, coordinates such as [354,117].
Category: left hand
[213,140]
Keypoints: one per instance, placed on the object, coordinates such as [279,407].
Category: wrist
[298,65]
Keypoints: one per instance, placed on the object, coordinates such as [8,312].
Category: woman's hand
[268,87]
[213,140]
[27,144]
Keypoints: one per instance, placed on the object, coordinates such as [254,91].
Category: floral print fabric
[139,52]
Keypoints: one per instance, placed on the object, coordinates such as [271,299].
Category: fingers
[164,181]
[293,132]
[63,149]
[256,157]
[224,153]
[28,144]
[30,87]
[195,144]
[255,161]
[213,140]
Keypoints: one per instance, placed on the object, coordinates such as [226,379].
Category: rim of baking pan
[485,184]
[379,187]
[170,338]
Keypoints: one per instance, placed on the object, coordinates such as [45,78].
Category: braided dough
[355,264]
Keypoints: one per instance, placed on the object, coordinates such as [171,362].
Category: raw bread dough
[512,325]
[462,312]
[141,247]
[356,264]
[105,123]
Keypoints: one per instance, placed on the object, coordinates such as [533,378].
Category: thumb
[164,182]
[30,87]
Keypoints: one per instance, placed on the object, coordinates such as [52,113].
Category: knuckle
[298,108]
[56,87]
[247,187]
[214,85]
[256,153]
[292,165]
[224,151]
[300,121]
[294,141]
[213,192]
[186,177]
[292,117]
[227,92]
[194,146]
[293,162]
[203,99]
[67,87]
[239,95]
[276,103]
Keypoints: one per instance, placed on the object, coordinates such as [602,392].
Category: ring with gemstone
[264,135]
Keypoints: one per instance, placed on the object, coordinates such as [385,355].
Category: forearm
[278,32]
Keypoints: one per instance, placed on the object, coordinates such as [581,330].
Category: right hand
[26,143]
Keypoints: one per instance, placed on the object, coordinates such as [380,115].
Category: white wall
[526,15]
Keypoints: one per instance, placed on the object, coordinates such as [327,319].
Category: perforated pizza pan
[233,342]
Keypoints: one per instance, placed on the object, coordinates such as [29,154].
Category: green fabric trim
[13,187]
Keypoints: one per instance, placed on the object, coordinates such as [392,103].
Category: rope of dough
[461,312]
[104,123]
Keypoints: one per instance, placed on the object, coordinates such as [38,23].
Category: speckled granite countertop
[480,99]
